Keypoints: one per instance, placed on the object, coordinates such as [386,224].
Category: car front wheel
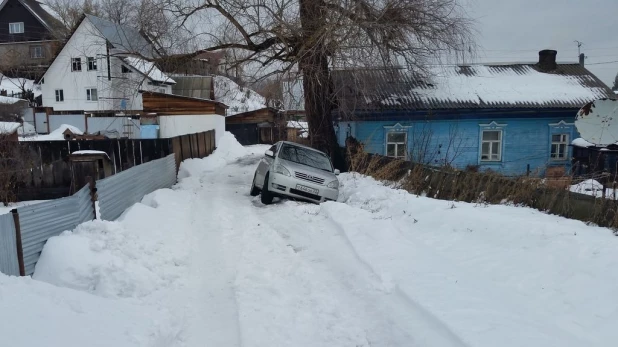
[254,190]
[266,196]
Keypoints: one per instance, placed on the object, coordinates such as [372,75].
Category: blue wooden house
[511,118]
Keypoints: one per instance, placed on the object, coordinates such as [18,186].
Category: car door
[264,165]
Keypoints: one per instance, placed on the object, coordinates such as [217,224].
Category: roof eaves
[141,91]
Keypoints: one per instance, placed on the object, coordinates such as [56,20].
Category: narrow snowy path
[285,275]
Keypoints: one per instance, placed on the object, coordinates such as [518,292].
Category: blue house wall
[454,137]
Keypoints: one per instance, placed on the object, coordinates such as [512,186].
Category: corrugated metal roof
[123,38]
[470,86]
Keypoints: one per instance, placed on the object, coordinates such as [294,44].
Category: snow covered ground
[55,135]
[205,264]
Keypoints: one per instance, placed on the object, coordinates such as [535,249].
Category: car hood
[292,166]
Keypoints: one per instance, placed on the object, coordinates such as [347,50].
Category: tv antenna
[579,47]
[597,122]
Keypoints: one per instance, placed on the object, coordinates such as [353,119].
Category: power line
[605,62]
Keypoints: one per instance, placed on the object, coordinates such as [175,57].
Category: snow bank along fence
[485,188]
[119,192]
[24,231]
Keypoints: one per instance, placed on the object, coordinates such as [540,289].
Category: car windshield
[305,156]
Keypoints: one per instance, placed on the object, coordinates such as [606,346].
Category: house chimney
[547,60]
[581,59]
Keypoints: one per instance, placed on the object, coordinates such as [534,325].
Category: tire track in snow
[398,320]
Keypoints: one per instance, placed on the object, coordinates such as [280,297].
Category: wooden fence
[51,176]
[193,146]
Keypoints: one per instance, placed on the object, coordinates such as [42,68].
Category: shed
[169,105]
[265,125]
[84,164]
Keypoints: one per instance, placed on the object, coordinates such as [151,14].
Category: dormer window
[125,69]
[16,28]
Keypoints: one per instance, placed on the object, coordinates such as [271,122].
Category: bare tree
[315,35]
[70,11]
[15,158]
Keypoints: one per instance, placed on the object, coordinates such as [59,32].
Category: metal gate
[246,134]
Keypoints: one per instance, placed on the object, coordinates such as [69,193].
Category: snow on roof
[148,68]
[90,152]
[473,86]
[14,85]
[237,98]
[298,124]
[579,142]
[7,128]
[56,135]
[9,100]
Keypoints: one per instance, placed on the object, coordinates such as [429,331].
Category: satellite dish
[597,122]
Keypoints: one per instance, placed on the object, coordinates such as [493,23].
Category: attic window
[76,64]
[92,64]
[125,69]
[16,28]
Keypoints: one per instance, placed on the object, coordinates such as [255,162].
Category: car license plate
[307,189]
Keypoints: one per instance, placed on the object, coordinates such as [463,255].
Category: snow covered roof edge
[468,86]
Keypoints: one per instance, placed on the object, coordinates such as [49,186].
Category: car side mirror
[337,172]
[269,153]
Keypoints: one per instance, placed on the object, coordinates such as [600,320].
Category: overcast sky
[515,30]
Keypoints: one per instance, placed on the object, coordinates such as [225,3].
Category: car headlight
[334,184]
[280,169]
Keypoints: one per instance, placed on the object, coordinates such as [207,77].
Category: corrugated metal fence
[23,234]
[119,192]
[39,222]
[8,251]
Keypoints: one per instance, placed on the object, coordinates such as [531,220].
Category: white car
[289,169]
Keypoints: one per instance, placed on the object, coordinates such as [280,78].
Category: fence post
[93,195]
[18,245]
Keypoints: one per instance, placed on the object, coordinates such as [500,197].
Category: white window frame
[73,64]
[89,94]
[563,141]
[34,49]
[16,25]
[59,95]
[91,62]
[492,144]
[397,144]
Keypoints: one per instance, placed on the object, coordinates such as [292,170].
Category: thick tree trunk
[316,82]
